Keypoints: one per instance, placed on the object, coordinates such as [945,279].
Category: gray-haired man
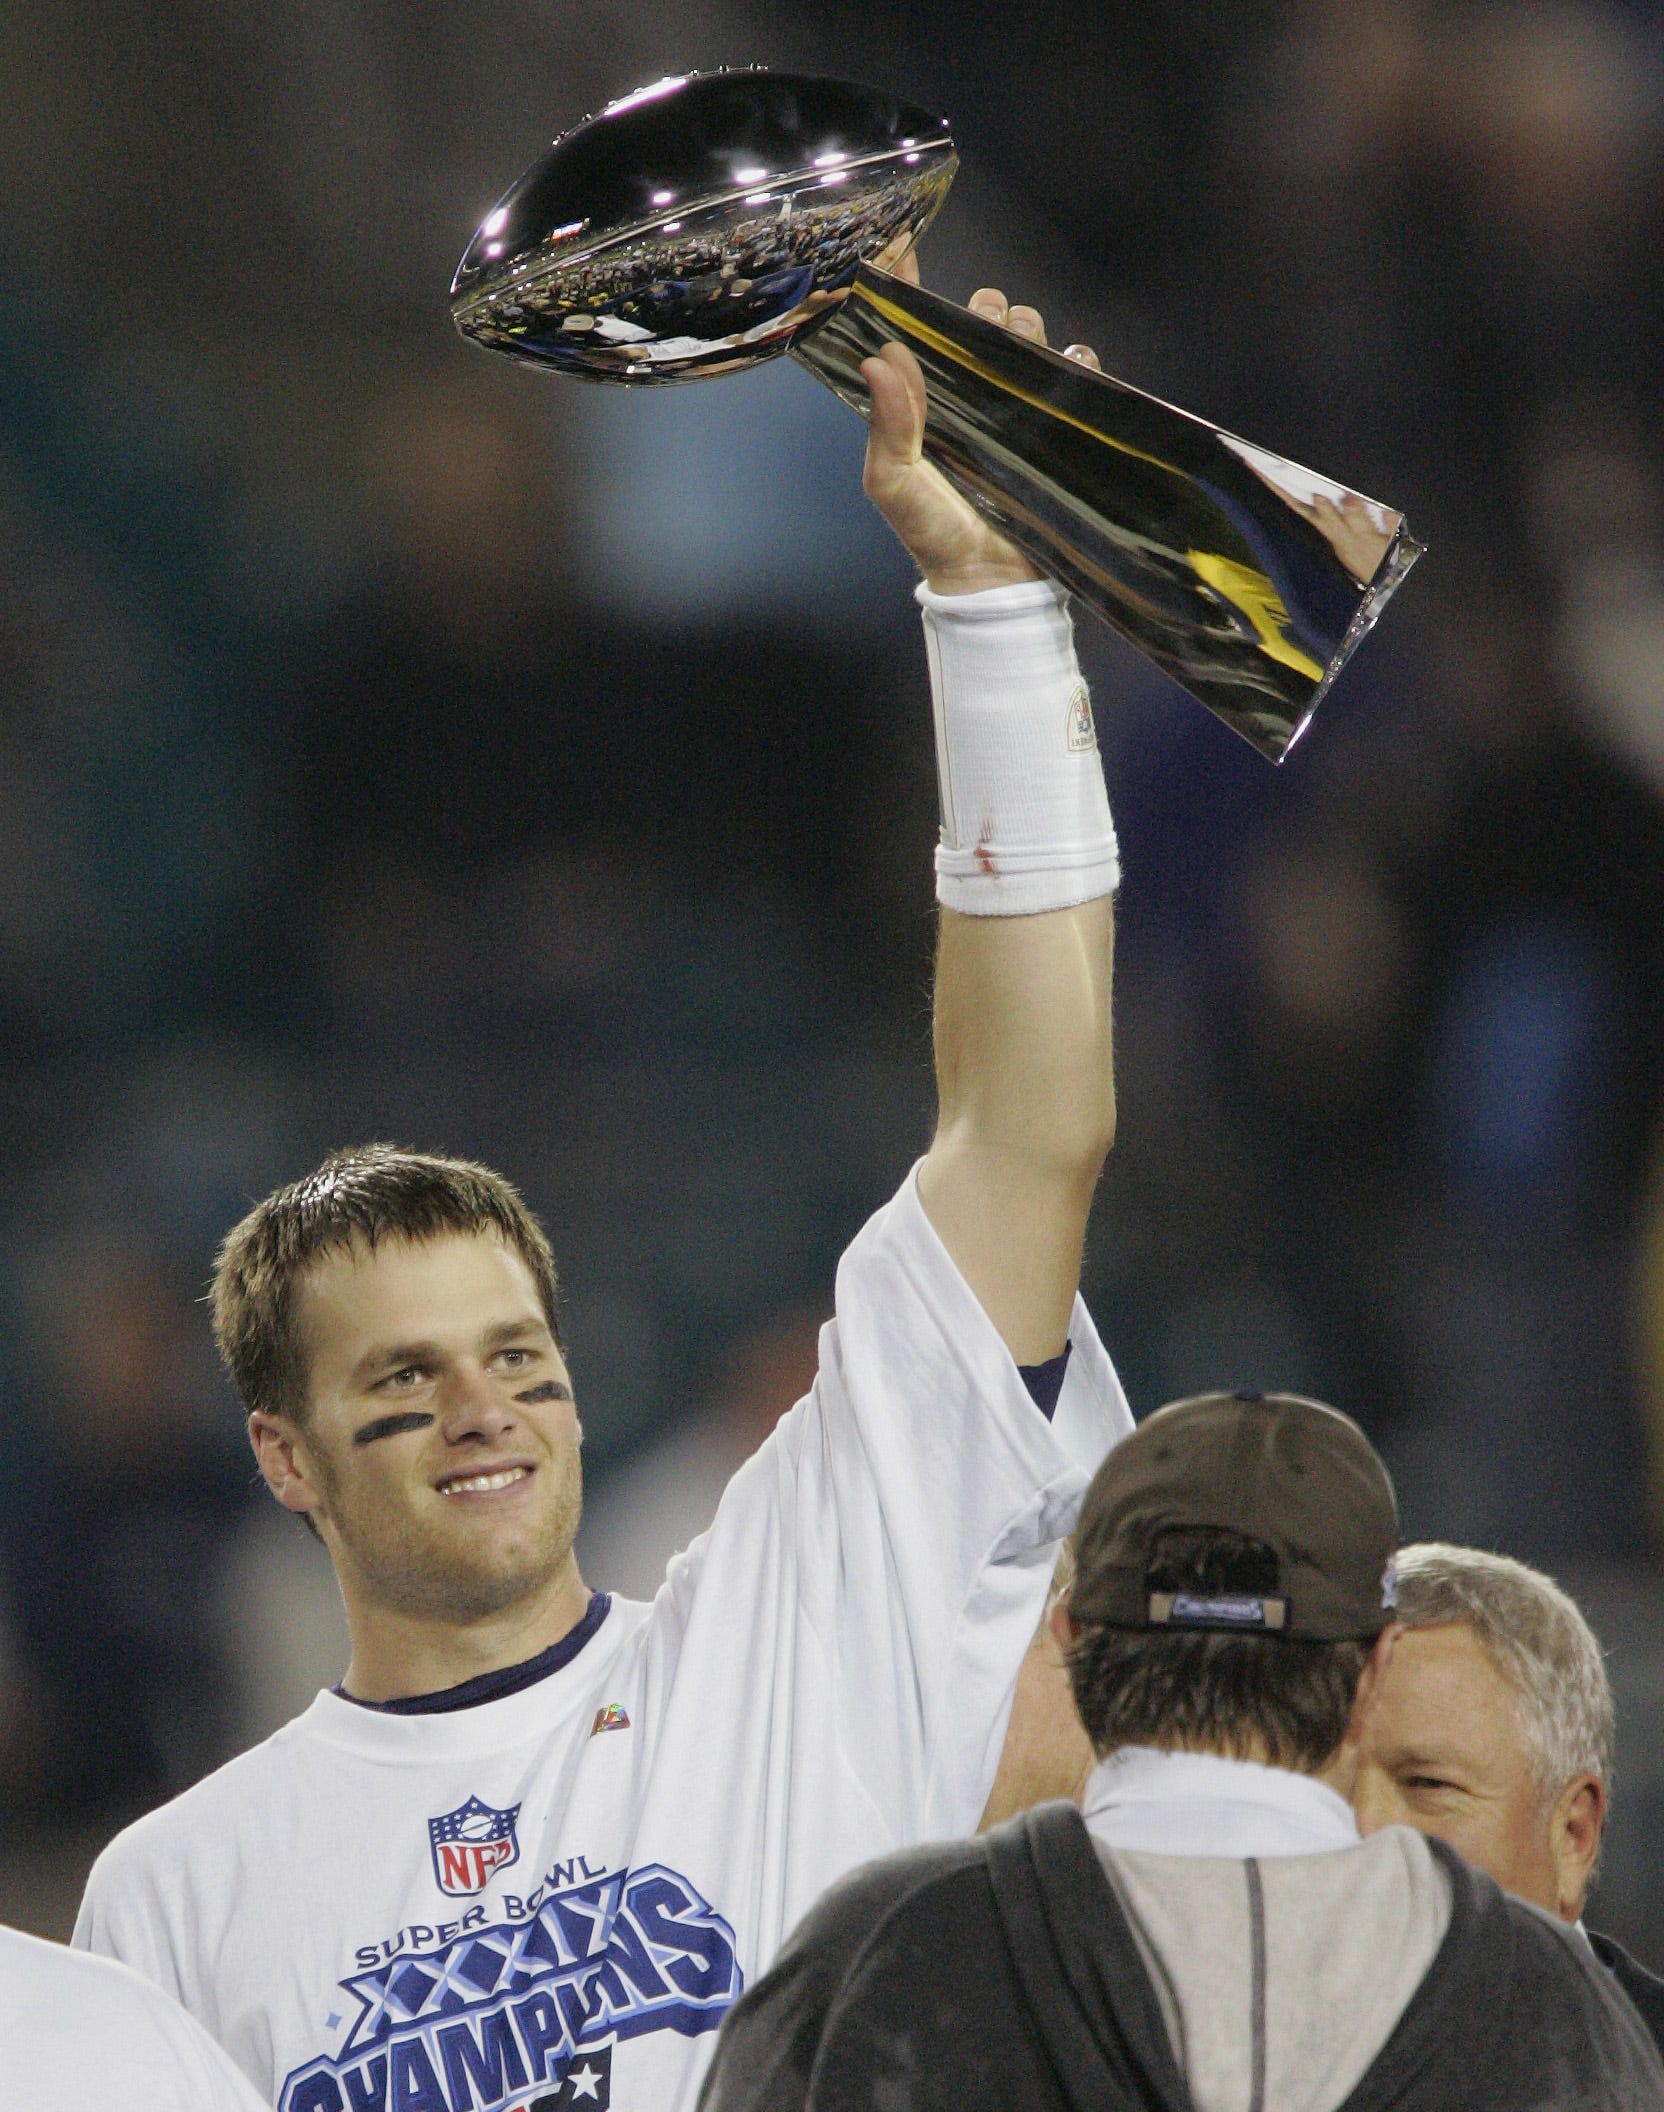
[1493,1731]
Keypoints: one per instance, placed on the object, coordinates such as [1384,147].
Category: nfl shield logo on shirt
[470,1844]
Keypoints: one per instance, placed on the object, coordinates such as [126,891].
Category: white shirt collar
[1204,1804]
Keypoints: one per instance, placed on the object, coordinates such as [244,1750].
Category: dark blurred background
[395,743]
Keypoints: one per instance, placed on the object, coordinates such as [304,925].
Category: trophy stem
[1250,580]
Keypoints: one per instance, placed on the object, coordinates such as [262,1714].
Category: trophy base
[1248,579]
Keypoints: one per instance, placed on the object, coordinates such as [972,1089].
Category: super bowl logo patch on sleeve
[471,1844]
[1081,734]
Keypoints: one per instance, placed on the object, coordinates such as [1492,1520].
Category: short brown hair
[1241,1695]
[363,1196]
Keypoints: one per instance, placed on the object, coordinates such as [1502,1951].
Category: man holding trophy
[538,1840]
[530,1850]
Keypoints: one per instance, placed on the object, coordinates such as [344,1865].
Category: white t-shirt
[1205,1804]
[82,2034]
[557,1894]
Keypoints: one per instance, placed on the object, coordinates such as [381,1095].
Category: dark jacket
[1000,1975]
[1644,1989]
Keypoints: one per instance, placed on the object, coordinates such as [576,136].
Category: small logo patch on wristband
[1082,734]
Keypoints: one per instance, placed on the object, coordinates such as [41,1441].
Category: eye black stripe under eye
[550,1390]
[392,1426]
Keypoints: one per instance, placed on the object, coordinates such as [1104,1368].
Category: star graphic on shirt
[586,2082]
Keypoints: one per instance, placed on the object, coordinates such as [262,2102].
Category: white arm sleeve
[877,1570]
[122,1915]
[946,1490]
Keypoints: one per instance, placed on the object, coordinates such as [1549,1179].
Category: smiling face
[439,1457]
[1448,1754]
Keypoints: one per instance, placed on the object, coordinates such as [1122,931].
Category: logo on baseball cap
[1299,1479]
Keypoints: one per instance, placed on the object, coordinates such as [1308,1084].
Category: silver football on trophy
[713,220]
[700,225]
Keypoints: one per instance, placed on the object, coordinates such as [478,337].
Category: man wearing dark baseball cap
[1207,1932]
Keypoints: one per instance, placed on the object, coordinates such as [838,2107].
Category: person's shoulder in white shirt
[81,2033]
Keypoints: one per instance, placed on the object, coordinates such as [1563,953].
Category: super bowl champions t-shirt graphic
[474,2013]
[552,1897]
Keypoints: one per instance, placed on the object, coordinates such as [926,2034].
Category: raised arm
[1022,1012]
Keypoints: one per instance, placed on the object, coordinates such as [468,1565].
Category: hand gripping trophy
[714,220]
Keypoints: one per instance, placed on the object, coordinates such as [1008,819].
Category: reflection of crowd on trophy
[729,281]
